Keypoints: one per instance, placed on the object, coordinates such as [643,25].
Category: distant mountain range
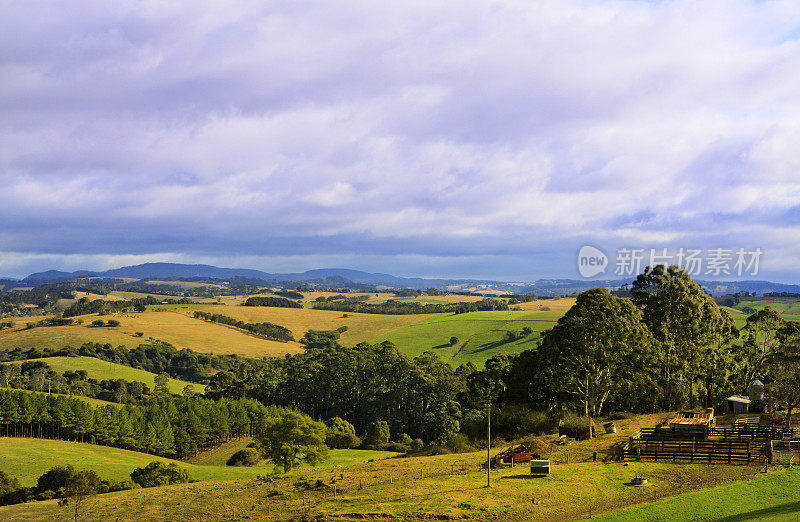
[342,276]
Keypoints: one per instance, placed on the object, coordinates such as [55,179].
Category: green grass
[340,457]
[773,496]
[100,370]
[26,459]
[480,334]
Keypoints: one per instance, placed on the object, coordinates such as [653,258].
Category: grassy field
[178,329]
[771,496]
[98,369]
[480,334]
[344,457]
[26,459]
[360,327]
[439,487]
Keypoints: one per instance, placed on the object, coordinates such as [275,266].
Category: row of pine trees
[173,427]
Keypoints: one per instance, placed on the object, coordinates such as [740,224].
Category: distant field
[26,459]
[176,328]
[360,327]
[480,334]
[98,369]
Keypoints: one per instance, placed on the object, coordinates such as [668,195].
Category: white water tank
[756,390]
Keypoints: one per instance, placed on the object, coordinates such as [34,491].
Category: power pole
[489,448]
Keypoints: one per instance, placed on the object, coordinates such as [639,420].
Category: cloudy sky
[469,139]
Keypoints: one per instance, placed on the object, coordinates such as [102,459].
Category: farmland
[360,327]
[175,328]
[421,487]
[480,334]
[100,370]
[27,459]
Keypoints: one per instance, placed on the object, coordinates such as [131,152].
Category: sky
[483,139]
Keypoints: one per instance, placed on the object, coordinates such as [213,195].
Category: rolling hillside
[437,487]
[26,459]
[480,334]
[175,328]
[360,327]
[99,369]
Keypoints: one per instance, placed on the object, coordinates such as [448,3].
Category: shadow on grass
[758,514]
[526,476]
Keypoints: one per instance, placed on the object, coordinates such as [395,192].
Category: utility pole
[489,448]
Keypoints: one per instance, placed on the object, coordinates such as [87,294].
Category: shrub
[453,340]
[158,473]
[98,323]
[341,440]
[244,457]
[139,334]
[393,446]
[377,433]
[112,323]
[405,438]
[417,444]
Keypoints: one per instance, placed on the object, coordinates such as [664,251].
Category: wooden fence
[695,450]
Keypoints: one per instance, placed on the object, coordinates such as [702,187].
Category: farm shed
[693,423]
[738,404]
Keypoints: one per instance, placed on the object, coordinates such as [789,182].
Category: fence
[695,451]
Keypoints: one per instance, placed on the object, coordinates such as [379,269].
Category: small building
[692,422]
[738,404]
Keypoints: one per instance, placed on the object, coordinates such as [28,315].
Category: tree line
[280,302]
[267,330]
[171,427]
[395,307]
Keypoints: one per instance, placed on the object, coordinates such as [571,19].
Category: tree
[594,346]
[159,473]
[453,340]
[78,488]
[340,434]
[785,366]
[685,320]
[161,381]
[291,439]
[378,433]
[762,328]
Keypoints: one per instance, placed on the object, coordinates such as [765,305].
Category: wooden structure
[742,444]
[693,423]
[511,456]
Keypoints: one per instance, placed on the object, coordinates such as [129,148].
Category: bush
[393,446]
[139,334]
[405,438]
[98,323]
[244,457]
[113,323]
[453,340]
[377,433]
[341,440]
[417,444]
[459,443]
[158,473]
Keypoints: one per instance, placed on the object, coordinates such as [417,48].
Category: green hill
[480,334]
[100,370]
[26,459]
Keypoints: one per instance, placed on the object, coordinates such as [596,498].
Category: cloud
[498,136]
